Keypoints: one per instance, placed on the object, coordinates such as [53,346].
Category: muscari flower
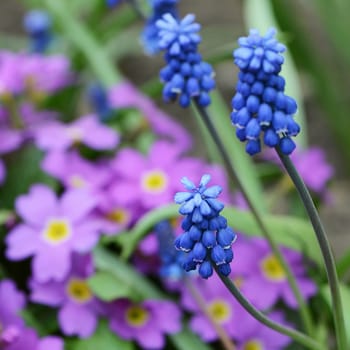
[146,322]
[260,105]
[112,3]
[98,97]
[186,75]
[206,239]
[78,307]
[52,230]
[37,23]
[149,36]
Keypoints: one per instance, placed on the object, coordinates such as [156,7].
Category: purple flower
[52,229]
[12,301]
[87,130]
[125,95]
[79,308]
[145,322]
[222,307]
[29,340]
[262,278]
[76,172]
[33,72]
[255,335]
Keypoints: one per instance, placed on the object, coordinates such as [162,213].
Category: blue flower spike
[186,76]
[207,240]
[260,106]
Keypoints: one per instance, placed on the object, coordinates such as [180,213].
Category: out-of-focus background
[316,34]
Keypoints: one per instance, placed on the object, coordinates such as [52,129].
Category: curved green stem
[292,333]
[304,311]
[325,248]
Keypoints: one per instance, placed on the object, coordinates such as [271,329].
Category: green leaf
[345,296]
[108,287]
[103,339]
[5,215]
[23,170]
[290,231]
[186,340]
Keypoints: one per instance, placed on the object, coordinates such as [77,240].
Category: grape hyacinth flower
[52,230]
[37,23]
[186,75]
[260,105]
[145,322]
[149,36]
[206,239]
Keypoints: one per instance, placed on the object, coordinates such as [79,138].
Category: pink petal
[75,204]
[51,293]
[85,236]
[51,343]
[97,135]
[78,320]
[38,205]
[129,163]
[22,242]
[52,263]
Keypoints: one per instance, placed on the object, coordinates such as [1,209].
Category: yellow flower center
[79,290]
[220,311]
[74,133]
[253,345]
[136,316]
[57,231]
[238,281]
[272,269]
[154,181]
[120,216]
[77,181]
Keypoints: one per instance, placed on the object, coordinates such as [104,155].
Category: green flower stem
[304,311]
[80,36]
[292,333]
[220,331]
[325,248]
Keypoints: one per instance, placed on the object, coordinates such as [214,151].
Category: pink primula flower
[87,130]
[52,229]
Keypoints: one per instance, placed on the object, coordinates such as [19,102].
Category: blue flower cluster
[149,36]
[206,239]
[98,97]
[260,105]
[112,3]
[37,24]
[185,76]
[171,259]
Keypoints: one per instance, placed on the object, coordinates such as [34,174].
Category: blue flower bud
[199,252]
[224,269]
[218,255]
[287,145]
[205,269]
[208,239]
